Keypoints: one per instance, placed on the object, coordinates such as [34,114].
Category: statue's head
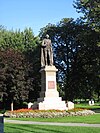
[47,36]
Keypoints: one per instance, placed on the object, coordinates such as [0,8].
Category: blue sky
[18,14]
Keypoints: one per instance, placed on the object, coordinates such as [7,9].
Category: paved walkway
[51,123]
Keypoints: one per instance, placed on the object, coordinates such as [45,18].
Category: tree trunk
[12,106]
[98,96]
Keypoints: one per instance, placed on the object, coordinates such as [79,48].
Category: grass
[95,107]
[93,119]
[17,128]
[86,106]
[74,119]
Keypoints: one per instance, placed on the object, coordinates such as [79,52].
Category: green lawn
[17,128]
[95,108]
[74,119]
[86,106]
[93,119]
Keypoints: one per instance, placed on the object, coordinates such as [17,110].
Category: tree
[64,36]
[91,11]
[15,79]
[18,40]
[20,65]
[74,44]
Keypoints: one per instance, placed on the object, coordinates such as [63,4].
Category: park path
[51,123]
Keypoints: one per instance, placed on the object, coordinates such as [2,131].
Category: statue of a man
[46,52]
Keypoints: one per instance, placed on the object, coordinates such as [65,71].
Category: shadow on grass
[31,129]
[96,110]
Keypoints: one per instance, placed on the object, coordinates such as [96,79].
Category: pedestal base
[49,96]
[52,103]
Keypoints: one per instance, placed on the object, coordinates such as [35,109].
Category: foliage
[76,51]
[15,78]
[76,55]
[19,63]
[18,40]
[91,11]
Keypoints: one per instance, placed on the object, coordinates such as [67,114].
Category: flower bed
[47,113]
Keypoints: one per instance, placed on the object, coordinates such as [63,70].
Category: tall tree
[20,52]
[74,44]
[91,11]
[15,79]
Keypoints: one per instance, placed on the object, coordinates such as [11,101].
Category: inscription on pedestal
[51,85]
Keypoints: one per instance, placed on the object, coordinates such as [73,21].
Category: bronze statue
[46,52]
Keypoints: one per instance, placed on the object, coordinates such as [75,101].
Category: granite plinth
[49,96]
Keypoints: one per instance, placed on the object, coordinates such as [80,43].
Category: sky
[19,14]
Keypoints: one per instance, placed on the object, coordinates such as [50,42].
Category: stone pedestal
[49,96]
[1,124]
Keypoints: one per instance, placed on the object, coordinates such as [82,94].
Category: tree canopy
[76,55]
[90,10]
[19,65]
